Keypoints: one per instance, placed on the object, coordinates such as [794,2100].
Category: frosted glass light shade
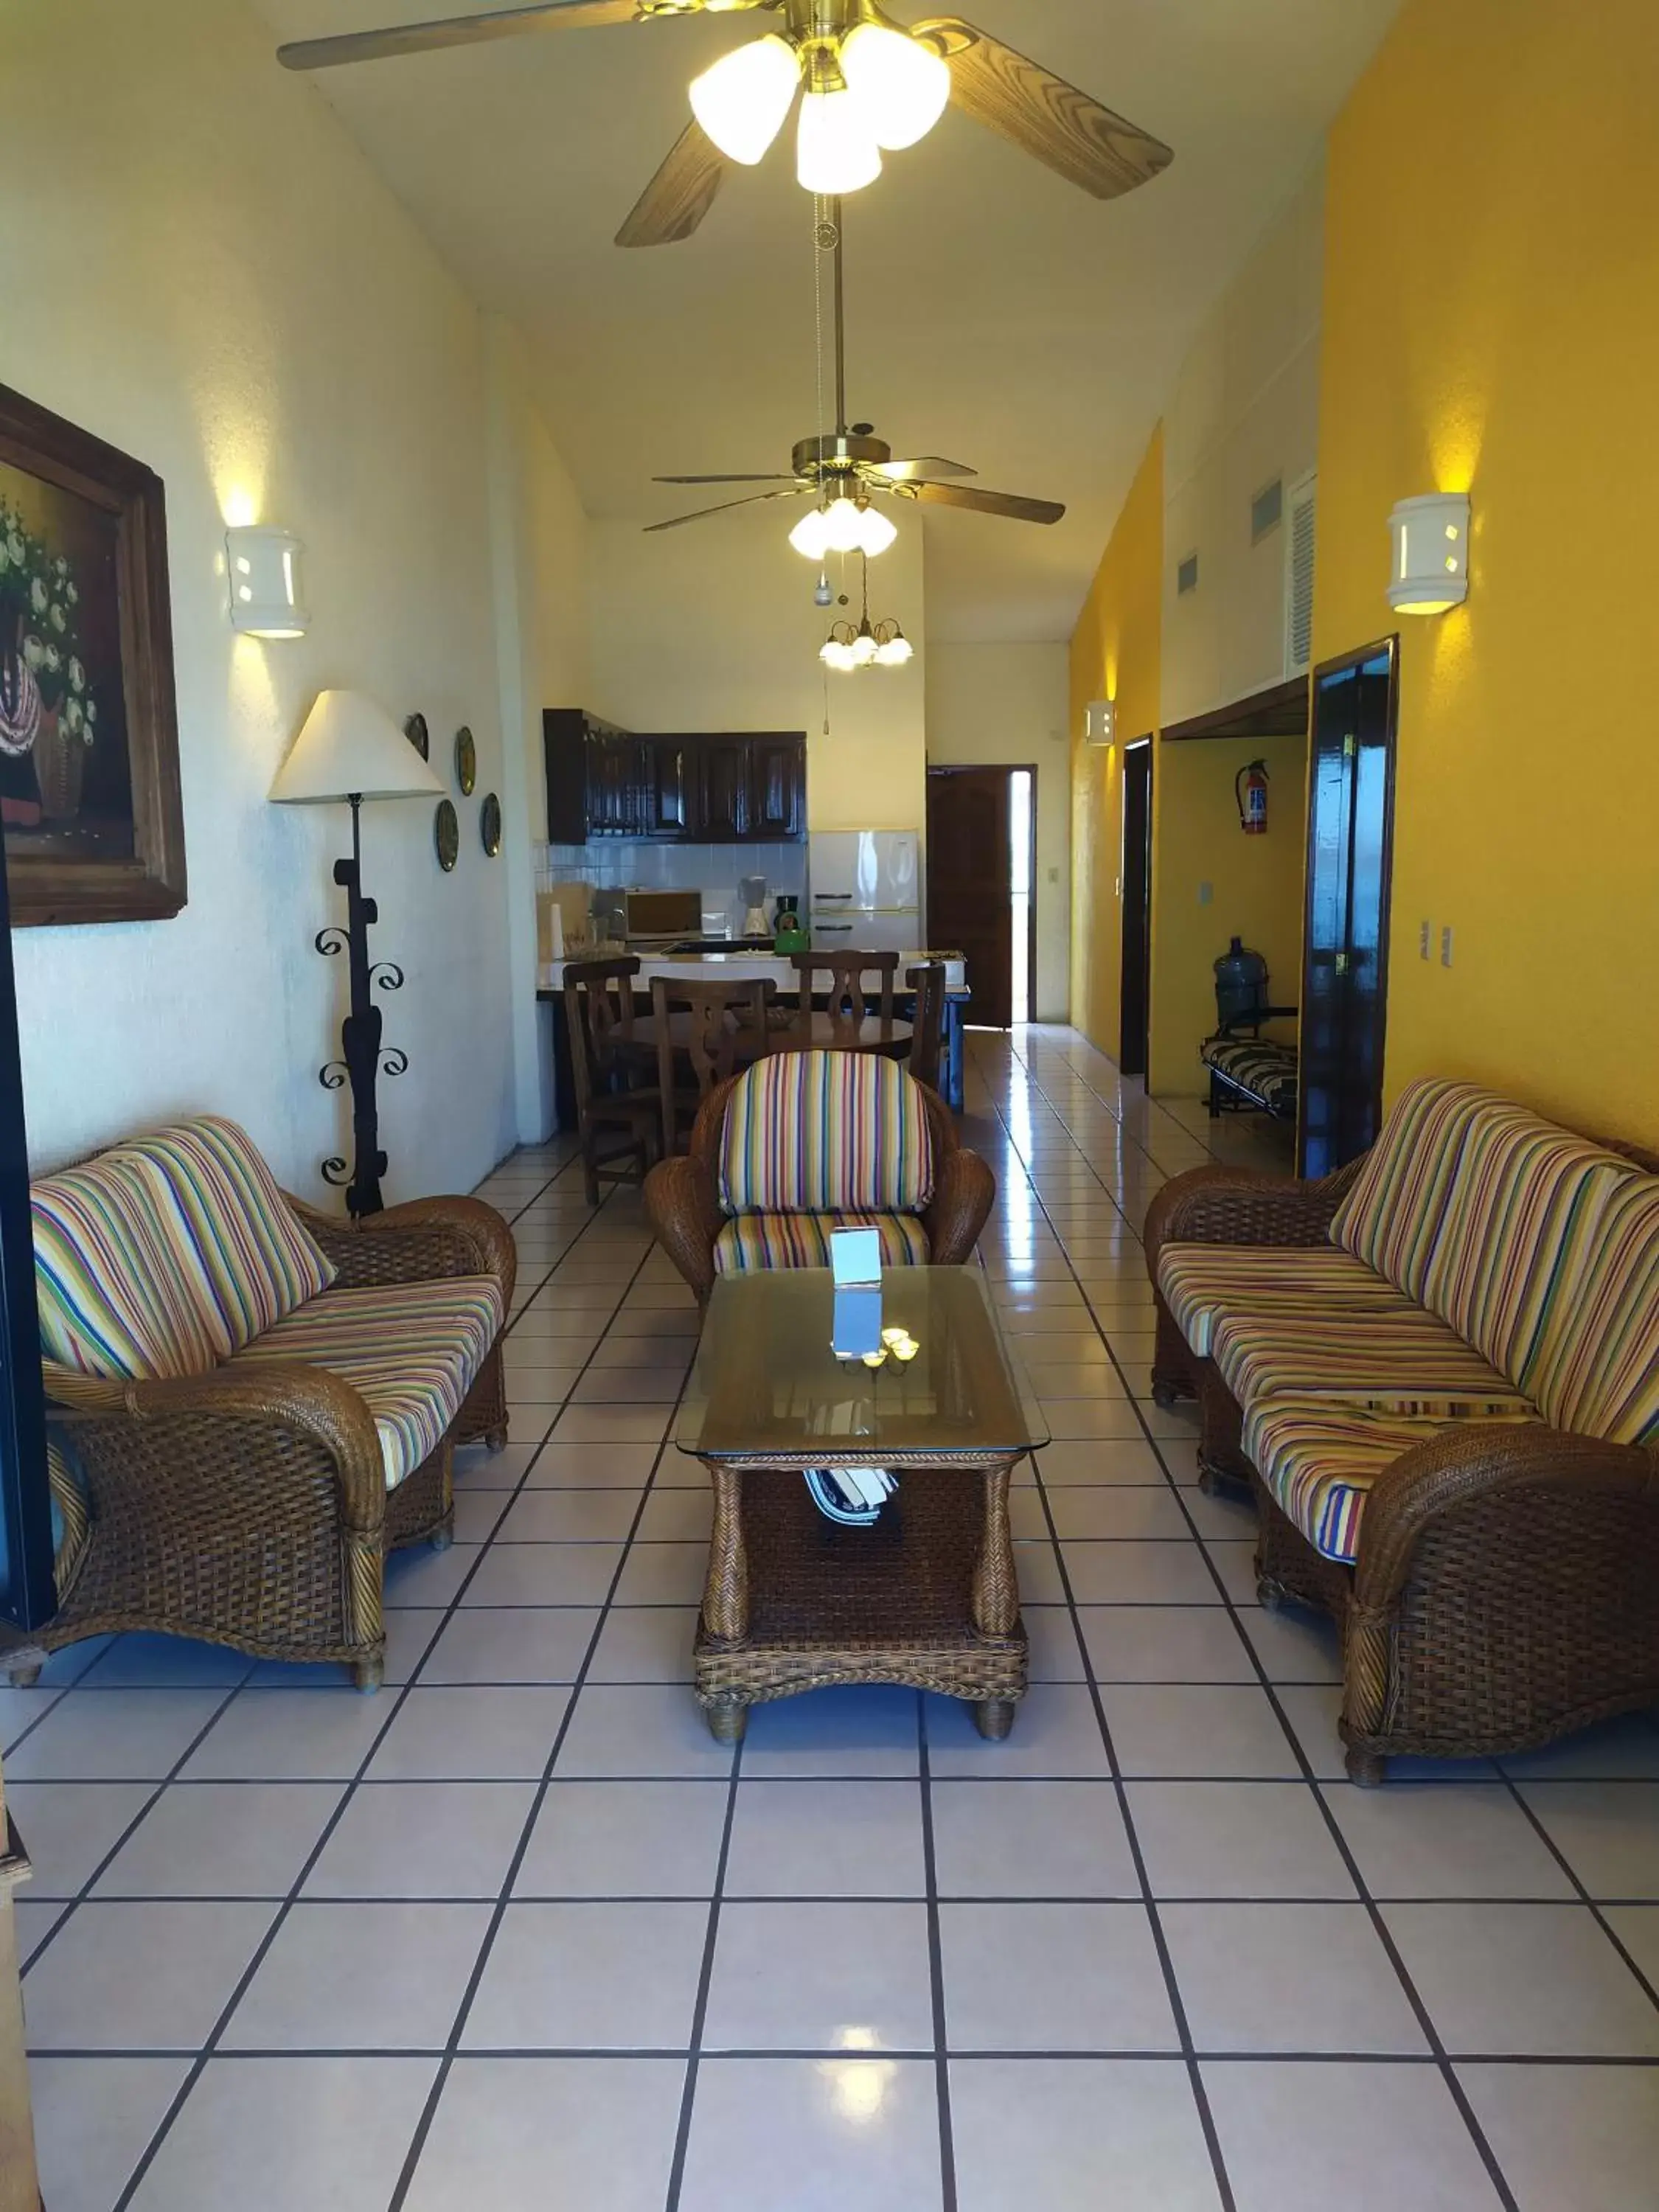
[902,86]
[836,152]
[741,102]
[875,532]
[843,526]
[897,650]
[349,746]
[1430,541]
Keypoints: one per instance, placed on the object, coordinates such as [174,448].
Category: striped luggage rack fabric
[1202,1283]
[1264,1071]
[802,1240]
[409,1350]
[826,1133]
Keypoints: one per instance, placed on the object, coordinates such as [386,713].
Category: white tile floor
[518,1933]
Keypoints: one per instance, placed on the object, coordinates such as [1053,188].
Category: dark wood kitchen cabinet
[695,789]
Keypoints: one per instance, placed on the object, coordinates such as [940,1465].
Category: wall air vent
[1299,577]
[1187,575]
[1267,510]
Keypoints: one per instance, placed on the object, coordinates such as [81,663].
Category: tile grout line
[1379,1924]
[1594,1905]
[947,2144]
[286,1906]
[705,1983]
[504,1898]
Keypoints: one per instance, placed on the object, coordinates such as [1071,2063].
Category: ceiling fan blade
[1041,114]
[691,480]
[984,503]
[756,499]
[452,31]
[929,465]
[681,193]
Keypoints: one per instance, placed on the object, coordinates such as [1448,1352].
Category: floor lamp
[349,750]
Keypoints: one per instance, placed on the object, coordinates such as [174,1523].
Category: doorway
[1136,997]
[1346,943]
[981,885]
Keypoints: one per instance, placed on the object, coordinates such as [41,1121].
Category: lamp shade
[348,747]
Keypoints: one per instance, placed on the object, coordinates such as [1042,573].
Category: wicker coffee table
[927,1596]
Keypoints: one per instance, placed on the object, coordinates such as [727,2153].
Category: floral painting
[64,781]
[89,799]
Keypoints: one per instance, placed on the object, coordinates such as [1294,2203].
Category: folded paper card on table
[855,1256]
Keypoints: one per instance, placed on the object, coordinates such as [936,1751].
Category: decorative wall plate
[415,731]
[467,762]
[447,835]
[489,824]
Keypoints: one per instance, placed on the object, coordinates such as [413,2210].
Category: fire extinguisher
[1250,790]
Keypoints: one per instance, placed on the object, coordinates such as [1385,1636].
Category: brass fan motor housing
[840,455]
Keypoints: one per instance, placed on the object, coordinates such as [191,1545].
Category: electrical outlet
[1446,947]
[1206,893]
[1425,940]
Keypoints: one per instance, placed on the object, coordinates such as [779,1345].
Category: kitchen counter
[729,967]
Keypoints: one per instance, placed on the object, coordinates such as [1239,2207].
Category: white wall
[539,551]
[1008,703]
[1245,408]
[713,627]
[200,267]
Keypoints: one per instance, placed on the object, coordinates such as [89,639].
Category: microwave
[668,915]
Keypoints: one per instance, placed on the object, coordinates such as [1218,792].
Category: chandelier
[870,645]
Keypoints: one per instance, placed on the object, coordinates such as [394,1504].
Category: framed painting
[88,728]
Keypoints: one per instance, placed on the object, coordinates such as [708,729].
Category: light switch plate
[1425,940]
[1446,947]
[1206,893]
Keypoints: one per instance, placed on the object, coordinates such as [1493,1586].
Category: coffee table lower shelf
[829,1604]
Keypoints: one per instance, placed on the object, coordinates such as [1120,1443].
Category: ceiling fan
[869,83]
[842,471]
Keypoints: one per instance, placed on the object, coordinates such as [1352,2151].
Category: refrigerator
[864,888]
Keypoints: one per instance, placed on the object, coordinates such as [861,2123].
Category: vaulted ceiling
[996,314]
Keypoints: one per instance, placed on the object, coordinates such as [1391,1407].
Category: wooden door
[969,884]
[777,785]
[666,765]
[613,786]
[1137,876]
[1346,948]
[722,790]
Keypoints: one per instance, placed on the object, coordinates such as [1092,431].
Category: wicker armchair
[1502,1589]
[248,1505]
[682,1195]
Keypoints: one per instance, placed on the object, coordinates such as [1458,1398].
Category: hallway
[518,1932]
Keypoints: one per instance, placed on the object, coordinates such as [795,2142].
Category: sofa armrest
[290,1402]
[418,1242]
[683,1210]
[1237,1205]
[964,1191]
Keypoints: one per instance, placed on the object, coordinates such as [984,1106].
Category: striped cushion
[1596,1366]
[826,1133]
[1201,1282]
[1320,1461]
[168,1252]
[1407,1362]
[1390,1217]
[802,1240]
[411,1350]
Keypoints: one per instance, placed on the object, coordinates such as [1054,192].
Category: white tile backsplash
[713,870]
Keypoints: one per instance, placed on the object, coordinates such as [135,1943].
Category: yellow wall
[1255,886]
[1508,345]
[1114,655]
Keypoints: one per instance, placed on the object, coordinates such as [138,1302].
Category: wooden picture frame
[126,862]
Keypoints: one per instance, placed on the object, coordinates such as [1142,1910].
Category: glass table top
[783,1371]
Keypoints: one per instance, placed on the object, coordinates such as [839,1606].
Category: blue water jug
[1240,984]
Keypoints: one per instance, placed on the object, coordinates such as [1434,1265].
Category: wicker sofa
[1438,1371]
[801,1143]
[250,1403]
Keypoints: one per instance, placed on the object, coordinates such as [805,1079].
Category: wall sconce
[1100,723]
[1430,539]
[266,596]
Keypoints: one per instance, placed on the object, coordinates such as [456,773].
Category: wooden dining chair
[926,1021]
[719,1027]
[846,972]
[619,1121]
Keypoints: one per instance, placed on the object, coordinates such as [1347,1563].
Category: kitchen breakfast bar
[742,967]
